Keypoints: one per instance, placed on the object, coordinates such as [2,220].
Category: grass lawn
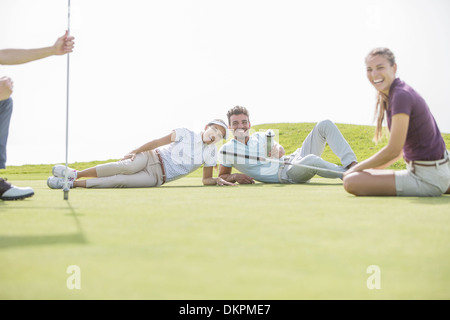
[186,241]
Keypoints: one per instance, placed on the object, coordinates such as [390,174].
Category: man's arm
[225,174]
[6,88]
[62,46]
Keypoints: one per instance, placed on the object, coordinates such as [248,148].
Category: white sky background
[144,67]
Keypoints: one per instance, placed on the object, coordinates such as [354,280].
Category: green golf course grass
[187,241]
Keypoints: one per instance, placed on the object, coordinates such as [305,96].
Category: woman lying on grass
[414,135]
[156,162]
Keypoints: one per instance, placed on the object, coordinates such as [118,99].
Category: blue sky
[141,68]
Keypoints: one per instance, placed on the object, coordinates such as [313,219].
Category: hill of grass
[289,135]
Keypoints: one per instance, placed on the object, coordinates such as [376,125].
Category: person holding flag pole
[62,46]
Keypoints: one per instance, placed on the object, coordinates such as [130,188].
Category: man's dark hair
[235,111]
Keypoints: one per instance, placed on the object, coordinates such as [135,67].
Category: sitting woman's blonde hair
[381,104]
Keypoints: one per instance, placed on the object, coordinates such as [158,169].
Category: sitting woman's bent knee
[352,184]
[348,184]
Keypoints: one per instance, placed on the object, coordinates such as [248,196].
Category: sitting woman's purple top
[424,140]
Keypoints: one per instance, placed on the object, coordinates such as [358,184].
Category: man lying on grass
[244,151]
[156,162]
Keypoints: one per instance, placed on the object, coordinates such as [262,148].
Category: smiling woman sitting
[414,135]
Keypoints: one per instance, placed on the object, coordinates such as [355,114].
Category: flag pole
[66,182]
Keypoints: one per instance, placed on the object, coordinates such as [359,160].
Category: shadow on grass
[22,241]
[309,184]
[179,186]
[259,184]
[77,237]
[442,200]
[214,186]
